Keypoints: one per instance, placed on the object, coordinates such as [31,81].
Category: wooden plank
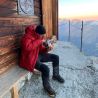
[9,26]
[7,13]
[6,3]
[7,57]
[8,63]
[15,91]
[5,50]
[7,10]
[11,11]
[37,4]
[8,50]
[2,1]
[47,16]
[50,16]
[37,12]
[55,17]
[18,20]
[9,78]
[37,0]
[11,40]
[10,30]
[8,66]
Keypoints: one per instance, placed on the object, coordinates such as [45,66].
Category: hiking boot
[50,91]
[58,78]
[48,88]
[56,75]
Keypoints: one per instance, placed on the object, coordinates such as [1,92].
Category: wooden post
[47,16]
[14,92]
[55,17]
[50,17]
[69,32]
[81,37]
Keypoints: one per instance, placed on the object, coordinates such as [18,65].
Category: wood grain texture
[55,17]
[37,4]
[12,26]
[8,50]
[14,91]
[8,66]
[6,10]
[47,16]
[12,10]
[10,77]
[10,40]
[6,58]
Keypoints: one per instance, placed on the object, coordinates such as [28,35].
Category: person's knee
[55,58]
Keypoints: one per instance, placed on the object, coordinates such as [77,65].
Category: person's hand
[50,47]
[45,44]
[43,40]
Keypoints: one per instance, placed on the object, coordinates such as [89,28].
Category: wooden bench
[12,80]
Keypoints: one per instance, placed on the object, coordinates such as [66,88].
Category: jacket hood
[30,32]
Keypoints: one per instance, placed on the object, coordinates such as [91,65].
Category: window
[26,7]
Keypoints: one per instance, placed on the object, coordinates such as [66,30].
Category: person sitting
[35,52]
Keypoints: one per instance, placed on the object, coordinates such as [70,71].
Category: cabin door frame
[50,17]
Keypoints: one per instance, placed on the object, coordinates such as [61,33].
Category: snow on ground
[79,71]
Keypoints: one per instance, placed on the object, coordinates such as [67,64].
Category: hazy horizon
[90,34]
[78,9]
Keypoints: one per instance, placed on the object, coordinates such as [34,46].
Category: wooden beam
[14,91]
[47,16]
[55,17]
[13,77]
[50,16]
[8,66]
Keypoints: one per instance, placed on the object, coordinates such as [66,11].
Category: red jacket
[31,45]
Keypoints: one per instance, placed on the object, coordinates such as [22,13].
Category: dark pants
[43,67]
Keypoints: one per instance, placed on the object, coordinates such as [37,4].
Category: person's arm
[50,47]
[29,45]
[43,49]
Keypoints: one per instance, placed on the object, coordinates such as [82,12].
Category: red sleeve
[43,49]
[29,45]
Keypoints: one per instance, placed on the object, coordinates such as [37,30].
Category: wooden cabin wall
[12,28]
[50,17]
[55,17]
[47,16]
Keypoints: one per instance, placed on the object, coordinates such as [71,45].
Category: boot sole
[52,96]
[58,81]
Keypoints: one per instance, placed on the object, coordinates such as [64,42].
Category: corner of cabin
[13,20]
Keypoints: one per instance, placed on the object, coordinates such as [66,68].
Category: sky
[78,9]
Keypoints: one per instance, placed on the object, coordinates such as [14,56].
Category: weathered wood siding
[50,16]
[47,16]
[12,28]
[55,17]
